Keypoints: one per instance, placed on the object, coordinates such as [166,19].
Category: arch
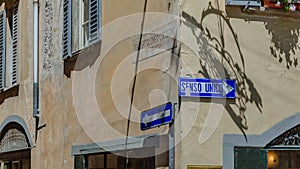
[288,138]
[19,121]
[264,140]
[13,139]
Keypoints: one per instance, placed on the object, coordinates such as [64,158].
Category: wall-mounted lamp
[272,159]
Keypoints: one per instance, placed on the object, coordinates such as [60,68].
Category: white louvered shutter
[14,75]
[2,48]
[94,20]
[67,28]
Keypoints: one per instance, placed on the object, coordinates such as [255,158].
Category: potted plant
[286,5]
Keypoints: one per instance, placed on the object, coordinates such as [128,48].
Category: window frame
[103,160]
[68,27]
[9,47]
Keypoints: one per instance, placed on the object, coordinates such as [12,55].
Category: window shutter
[250,158]
[2,48]
[67,28]
[15,46]
[243,2]
[94,20]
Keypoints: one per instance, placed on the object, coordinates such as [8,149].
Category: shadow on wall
[284,30]
[216,60]
[285,34]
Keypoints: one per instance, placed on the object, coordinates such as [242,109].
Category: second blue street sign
[209,88]
[156,116]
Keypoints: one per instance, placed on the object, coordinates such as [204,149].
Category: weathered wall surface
[68,117]
[17,100]
[261,54]
[81,108]
[73,110]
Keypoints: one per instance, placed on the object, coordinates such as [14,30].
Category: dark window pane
[250,158]
[79,162]
[112,161]
[96,161]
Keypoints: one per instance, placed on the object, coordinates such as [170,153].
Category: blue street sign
[156,116]
[211,88]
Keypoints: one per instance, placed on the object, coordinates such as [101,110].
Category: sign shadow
[216,61]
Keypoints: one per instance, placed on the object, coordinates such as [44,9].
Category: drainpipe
[35,59]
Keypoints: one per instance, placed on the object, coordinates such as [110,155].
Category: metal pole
[171,148]
[172,141]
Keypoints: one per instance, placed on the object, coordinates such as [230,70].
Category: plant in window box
[286,5]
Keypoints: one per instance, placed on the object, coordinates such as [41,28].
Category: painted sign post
[156,116]
[209,88]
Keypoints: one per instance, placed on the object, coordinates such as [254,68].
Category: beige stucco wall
[76,113]
[17,100]
[63,126]
[267,80]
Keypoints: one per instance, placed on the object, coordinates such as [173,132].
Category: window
[112,161]
[8,44]
[286,5]
[250,158]
[81,25]
[14,148]
[290,5]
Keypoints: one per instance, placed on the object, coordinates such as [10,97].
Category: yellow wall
[267,88]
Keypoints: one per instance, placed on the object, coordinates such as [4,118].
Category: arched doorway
[14,147]
[284,151]
[276,148]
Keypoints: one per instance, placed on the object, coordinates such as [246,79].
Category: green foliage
[287,4]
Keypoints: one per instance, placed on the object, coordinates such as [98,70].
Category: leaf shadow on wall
[217,62]
[285,34]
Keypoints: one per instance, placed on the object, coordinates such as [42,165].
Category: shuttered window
[9,45]
[250,158]
[2,48]
[82,30]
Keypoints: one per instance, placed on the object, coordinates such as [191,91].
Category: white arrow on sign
[146,119]
[226,88]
